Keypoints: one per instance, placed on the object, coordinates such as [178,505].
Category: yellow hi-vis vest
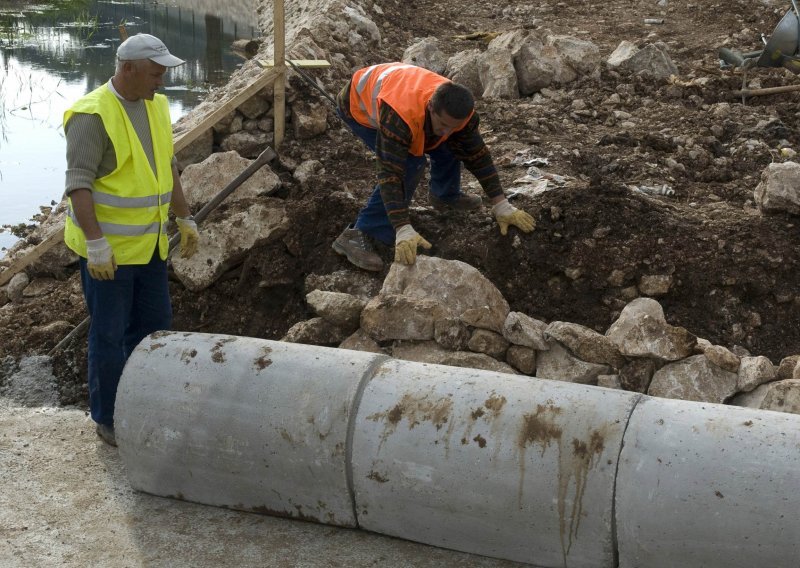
[131,203]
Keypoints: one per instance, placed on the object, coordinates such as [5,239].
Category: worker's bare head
[454,99]
[450,104]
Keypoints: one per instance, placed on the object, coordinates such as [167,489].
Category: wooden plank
[38,251]
[279,92]
[305,63]
[185,138]
[767,91]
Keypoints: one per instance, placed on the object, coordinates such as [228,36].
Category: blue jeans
[123,311]
[445,182]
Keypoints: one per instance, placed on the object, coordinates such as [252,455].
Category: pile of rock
[445,312]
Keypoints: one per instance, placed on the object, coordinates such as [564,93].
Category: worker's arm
[468,146]
[178,204]
[391,147]
[190,238]
[89,156]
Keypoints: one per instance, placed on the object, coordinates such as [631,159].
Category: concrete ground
[65,501]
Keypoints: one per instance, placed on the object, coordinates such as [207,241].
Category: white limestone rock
[558,364]
[642,331]
[693,378]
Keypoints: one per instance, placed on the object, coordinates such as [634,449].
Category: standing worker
[121,180]
[403,112]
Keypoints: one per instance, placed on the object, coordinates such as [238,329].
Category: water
[49,58]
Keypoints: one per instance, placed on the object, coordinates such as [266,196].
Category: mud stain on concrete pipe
[187,355]
[217,352]
[264,361]
[575,460]
[491,409]
[415,410]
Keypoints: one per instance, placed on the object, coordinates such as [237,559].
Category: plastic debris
[524,158]
[663,189]
[537,187]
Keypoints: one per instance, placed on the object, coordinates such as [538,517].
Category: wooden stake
[35,254]
[183,139]
[279,90]
[767,91]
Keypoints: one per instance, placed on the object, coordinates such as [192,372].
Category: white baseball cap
[145,46]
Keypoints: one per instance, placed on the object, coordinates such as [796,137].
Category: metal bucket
[782,43]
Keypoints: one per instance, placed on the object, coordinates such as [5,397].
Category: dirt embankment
[734,270]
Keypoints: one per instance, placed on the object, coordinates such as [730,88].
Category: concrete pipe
[550,473]
[241,423]
[709,485]
[495,464]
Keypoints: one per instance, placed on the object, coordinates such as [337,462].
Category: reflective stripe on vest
[120,201]
[110,229]
[132,202]
[372,111]
[408,89]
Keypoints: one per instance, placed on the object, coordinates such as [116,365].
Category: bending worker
[403,112]
[121,181]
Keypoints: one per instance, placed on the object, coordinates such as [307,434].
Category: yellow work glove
[190,238]
[405,245]
[100,259]
[507,215]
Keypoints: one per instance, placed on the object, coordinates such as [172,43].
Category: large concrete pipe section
[495,464]
[241,423]
[709,485]
[544,472]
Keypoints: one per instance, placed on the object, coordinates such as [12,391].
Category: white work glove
[100,259]
[405,244]
[190,238]
[507,215]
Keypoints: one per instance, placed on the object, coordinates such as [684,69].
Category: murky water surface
[50,57]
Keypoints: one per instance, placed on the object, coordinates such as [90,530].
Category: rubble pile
[445,312]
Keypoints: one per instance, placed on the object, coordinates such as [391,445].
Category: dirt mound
[733,272]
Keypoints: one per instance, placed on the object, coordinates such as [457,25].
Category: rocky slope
[719,266]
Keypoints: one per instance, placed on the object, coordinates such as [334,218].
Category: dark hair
[454,99]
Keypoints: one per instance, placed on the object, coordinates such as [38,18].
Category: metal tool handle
[731,57]
[263,159]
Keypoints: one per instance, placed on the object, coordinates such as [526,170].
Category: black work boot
[356,246]
[464,202]
[106,433]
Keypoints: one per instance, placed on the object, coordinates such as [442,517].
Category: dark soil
[735,271]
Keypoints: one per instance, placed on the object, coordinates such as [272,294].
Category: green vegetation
[18,22]
[16,16]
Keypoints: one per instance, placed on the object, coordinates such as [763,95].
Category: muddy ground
[735,270]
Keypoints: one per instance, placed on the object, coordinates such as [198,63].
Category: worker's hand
[405,245]
[507,215]
[190,238]
[100,261]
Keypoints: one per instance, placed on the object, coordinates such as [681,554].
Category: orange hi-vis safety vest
[405,88]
